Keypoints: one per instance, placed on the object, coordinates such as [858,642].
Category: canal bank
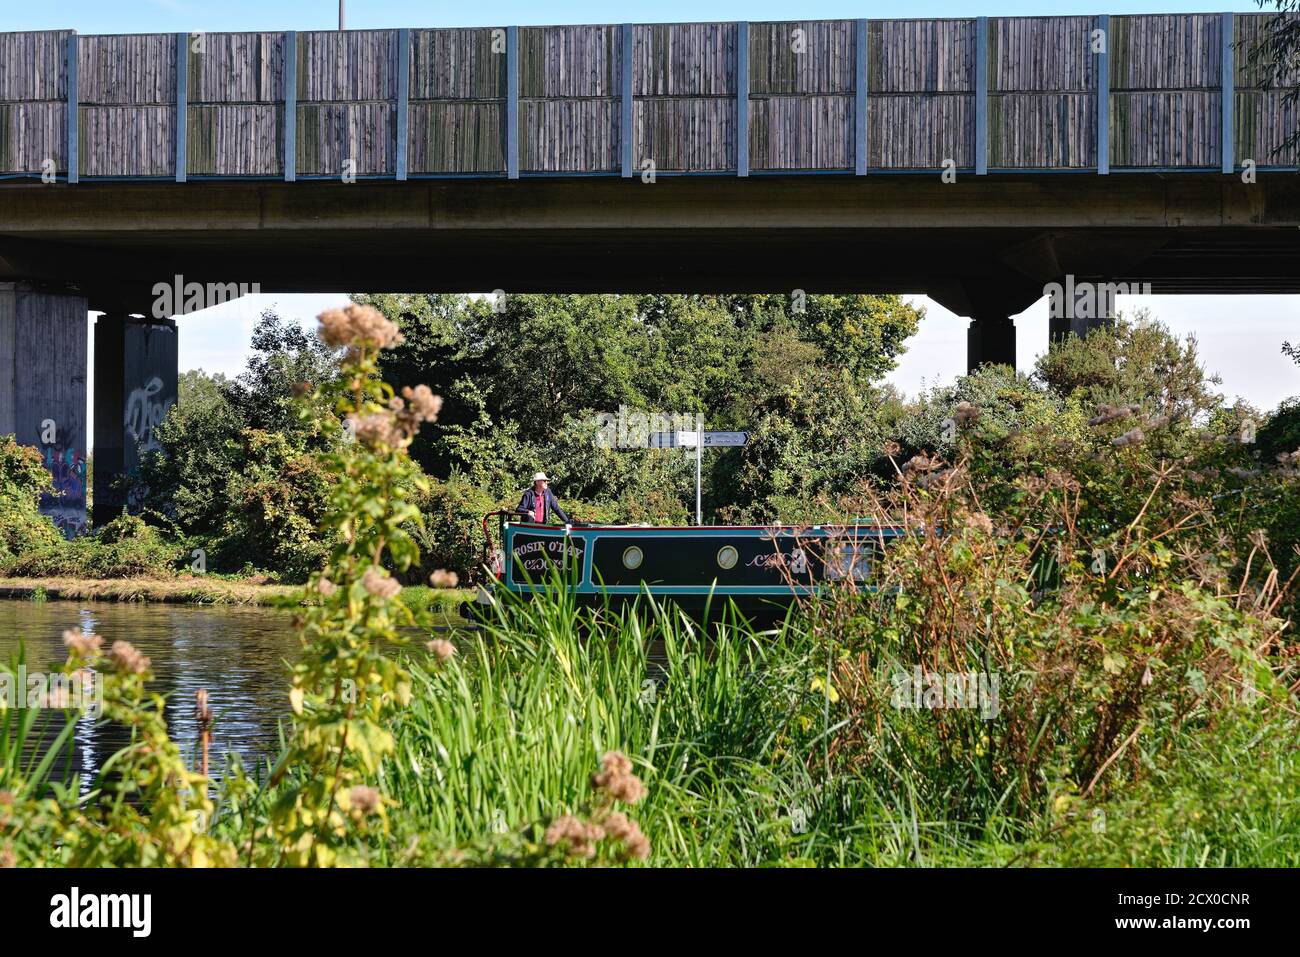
[203,590]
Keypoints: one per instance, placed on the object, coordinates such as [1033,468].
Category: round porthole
[632,557]
[727,557]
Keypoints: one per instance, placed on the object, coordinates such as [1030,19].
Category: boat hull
[757,569]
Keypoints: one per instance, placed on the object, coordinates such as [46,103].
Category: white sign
[673,440]
[719,439]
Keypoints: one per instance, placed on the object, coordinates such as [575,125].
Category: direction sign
[719,439]
[673,440]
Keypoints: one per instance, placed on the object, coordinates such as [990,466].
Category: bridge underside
[984,247]
[979,245]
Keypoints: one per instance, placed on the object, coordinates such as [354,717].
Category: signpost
[691,440]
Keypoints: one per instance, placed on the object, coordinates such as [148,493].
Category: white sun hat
[540,477]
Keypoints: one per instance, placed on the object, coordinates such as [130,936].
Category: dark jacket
[528,505]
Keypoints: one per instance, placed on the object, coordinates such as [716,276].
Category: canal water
[238,654]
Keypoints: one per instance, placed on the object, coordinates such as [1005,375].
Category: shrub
[22,480]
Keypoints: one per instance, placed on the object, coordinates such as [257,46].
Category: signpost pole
[699,451]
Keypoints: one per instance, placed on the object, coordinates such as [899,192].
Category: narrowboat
[759,568]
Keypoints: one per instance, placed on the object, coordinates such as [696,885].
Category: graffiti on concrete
[67,505]
[145,408]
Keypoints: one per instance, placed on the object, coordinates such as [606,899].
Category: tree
[526,378]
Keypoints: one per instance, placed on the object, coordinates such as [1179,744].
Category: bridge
[976,160]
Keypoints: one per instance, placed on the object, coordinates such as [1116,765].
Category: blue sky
[1240,336]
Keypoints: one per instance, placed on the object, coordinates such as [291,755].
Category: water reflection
[239,655]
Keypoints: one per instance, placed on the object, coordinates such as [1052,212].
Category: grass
[730,736]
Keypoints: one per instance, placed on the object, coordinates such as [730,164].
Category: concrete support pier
[1080,308]
[43,332]
[990,340]
[135,385]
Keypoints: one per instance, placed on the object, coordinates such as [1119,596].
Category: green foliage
[124,548]
[531,383]
[237,475]
[22,480]
[276,507]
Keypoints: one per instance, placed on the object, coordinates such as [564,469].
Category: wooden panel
[33,66]
[1041,54]
[457,64]
[570,61]
[1264,120]
[129,70]
[801,132]
[922,130]
[458,137]
[235,140]
[330,134]
[127,140]
[31,133]
[801,56]
[237,68]
[685,134]
[1255,57]
[353,65]
[684,59]
[1041,130]
[569,135]
[906,56]
[1165,129]
[1173,52]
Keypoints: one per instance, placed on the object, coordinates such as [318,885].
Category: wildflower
[356,325]
[617,780]
[444,579]
[126,658]
[424,404]
[326,587]
[980,522]
[619,828]
[364,799]
[576,836]
[83,646]
[380,584]
[57,699]
[377,430]
[442,649]
[637,846]
[1243,473]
